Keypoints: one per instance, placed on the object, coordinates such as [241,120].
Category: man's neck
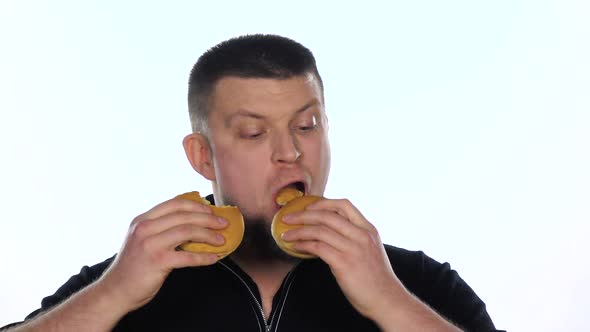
[268,276]
[264,271]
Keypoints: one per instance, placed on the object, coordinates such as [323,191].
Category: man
[256,105]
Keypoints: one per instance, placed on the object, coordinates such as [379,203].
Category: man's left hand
[337,232]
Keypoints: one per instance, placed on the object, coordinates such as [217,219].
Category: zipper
[266,325]
[283,304]
[288,281]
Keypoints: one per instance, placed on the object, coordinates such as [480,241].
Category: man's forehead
[241,85]
[259,97]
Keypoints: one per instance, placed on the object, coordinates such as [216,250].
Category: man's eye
[306,128]
[252,135]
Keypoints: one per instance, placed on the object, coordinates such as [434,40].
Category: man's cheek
[240,176]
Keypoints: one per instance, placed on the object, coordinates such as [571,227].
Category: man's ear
[198,152]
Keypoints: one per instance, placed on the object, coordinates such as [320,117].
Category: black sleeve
[87,275]
[441,288]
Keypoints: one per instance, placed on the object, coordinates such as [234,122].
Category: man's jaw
[258,246]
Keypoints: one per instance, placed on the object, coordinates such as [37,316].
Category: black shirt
[222,297]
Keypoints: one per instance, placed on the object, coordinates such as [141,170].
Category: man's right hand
[139,270]
[149,252]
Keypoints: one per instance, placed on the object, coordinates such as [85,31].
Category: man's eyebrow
[254,115]
[244,113]
[310,104]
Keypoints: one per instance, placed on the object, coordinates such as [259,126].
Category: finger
[319,233]
[158,225]
[325,217]
[344,208]
[174,205]
[173,237]
[326,252]
[179,259]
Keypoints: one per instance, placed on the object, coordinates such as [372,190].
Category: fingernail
[221,221]
[220,238]
[287,217]
[285,236]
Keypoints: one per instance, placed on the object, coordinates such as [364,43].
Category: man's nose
[285,148]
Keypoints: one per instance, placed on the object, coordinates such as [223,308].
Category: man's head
[257,108]
[251,56]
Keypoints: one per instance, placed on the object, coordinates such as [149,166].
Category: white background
[460,128]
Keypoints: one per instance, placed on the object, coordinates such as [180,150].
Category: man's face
[266,134]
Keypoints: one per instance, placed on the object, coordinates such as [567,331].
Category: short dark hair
[249,56]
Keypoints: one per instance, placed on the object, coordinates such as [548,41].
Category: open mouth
[298,185]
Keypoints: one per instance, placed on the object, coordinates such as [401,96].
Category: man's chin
[258,245]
